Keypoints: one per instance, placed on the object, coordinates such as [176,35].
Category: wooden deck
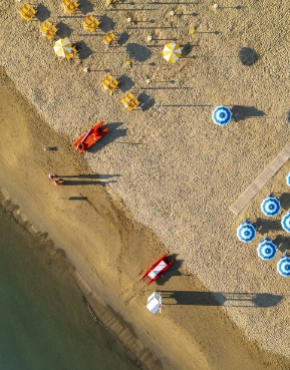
[261,180]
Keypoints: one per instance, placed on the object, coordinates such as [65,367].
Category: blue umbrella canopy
[288,179]
[270,206]
[286,222]
[246,232]
[221,115]
[283,265]
[267,249]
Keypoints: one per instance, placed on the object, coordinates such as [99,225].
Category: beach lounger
[50,33]
[66,2]
[75,51]
[88,20]
[112,86]
[45,27]
[27,12]
[126,99]
[107,40]
[107,81]
[133,104]
[71,7]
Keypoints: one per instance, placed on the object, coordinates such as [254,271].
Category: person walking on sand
[52,175]
[58,182]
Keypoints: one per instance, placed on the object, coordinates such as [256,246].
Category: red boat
[157,269]
[89,138]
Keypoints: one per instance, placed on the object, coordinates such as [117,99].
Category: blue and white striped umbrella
[221,115]
[270,206]
[286,222]
[288,179]
[283,265]
[267,249]
[246,232]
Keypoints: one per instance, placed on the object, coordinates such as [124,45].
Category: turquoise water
[44,325]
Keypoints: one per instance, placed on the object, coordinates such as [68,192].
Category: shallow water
[44,322]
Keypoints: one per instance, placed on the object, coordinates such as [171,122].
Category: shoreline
[182,193]
[196,343]
[102,315]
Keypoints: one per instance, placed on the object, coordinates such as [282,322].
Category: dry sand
[177,172]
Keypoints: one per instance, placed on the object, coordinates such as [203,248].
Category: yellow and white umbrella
[63,48]
[171,52]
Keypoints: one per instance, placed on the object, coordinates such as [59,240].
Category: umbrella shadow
[106,24]
[248,56]
[187,49]
[42,13]
[265,225]
[86,6]
[84,51]
[125,83]
[197,298]
[285,201]
[63,30]
[138,52]
[111,136]
[146,102]
[283,243]
[239,112]
[172,271]
[123,38]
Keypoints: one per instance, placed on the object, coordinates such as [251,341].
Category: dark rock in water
[248,56]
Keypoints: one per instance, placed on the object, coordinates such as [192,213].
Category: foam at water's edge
[100,312]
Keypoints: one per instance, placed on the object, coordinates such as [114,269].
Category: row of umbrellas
[267,249]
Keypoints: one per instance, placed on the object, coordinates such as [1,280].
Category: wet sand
[101,244]
[166,163]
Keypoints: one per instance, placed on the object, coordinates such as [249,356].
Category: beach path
[261,180]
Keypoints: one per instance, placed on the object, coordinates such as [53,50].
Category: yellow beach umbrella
[171,52]
[63,48]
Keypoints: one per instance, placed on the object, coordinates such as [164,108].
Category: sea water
[44,324]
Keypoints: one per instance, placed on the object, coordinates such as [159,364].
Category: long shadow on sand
[89,176]
[240,112]
[264,300]
[86,182]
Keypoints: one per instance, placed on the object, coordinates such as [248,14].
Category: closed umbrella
[171,52]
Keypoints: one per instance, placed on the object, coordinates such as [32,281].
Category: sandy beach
[165,177]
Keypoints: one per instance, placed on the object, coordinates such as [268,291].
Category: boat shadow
[113,134]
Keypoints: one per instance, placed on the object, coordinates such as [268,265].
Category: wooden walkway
[261,180]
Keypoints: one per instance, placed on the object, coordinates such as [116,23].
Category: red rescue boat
[157,269]
[89,138]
